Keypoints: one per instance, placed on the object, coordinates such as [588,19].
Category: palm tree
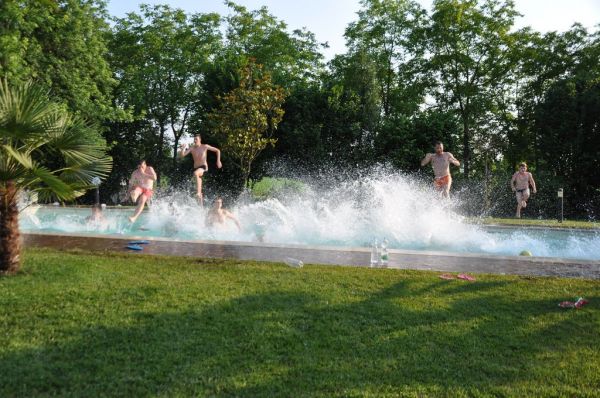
[43,148]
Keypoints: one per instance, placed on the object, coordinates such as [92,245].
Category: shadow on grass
[297,344]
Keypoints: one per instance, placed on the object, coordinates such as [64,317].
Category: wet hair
[522,164]
[437,143]
[197,135]
[141,161]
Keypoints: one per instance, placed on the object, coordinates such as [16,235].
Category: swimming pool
[273,221]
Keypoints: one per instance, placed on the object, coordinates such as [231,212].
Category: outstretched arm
[532,183]
[235,220]
[218,152]
[426,159]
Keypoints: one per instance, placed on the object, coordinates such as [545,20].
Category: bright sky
[328,19]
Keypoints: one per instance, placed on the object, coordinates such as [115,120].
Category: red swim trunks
[145,191]
[442,181]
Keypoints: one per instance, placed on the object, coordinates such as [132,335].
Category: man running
[440,161]
[520,183]
[198,151]
[140,187]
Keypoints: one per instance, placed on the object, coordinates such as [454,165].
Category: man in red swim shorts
[440,161]
[140,187]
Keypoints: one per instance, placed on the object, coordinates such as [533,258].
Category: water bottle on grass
[294,262]
[384,255]
[375,254]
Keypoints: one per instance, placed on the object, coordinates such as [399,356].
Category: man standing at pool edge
[440,161]
[520,183]
[198,151]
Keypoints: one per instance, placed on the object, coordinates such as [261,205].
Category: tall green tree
[31,128]
[162,57]
[390,33]
[62,45]
[248,116]
[470,46]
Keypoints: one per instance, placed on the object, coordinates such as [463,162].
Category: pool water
[273,222]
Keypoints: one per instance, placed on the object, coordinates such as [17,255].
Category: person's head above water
[142,164]
[197,139]
[218,202]
[439,147]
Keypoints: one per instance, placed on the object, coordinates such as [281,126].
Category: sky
[328,19]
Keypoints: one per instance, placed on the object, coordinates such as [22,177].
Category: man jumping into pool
[440,161]
[140,187]
[198,151]
[520,183]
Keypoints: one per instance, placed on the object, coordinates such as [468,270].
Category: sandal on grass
[466,277]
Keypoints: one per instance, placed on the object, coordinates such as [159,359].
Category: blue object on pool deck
[139,242]
[134,247]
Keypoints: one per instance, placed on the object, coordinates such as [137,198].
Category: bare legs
[198,173]
[141,199]
[521,202]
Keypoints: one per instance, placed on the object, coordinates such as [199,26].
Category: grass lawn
[538,223]
[89,325]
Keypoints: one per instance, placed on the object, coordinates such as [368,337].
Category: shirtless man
[520,185]
[198,151]
[218,215]
[140,187]
[440,161]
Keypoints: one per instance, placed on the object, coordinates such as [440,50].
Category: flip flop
[139,242]
[447,276]
[570,304]
[466,277]
[134,247]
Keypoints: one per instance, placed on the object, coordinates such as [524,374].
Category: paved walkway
[400,259]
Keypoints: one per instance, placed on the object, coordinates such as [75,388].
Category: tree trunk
[10,239]
[466,147]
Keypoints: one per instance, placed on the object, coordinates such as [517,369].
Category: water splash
[339,212]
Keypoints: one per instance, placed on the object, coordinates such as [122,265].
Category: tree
[470,59]
[247,117]
[162,57]
[31,128]
[62,45]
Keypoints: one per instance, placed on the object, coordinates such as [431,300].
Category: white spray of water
[356,212]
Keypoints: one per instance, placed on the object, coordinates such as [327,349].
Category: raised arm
[426,159]
[184,151]
[453,160]
[532,183]
[218,152]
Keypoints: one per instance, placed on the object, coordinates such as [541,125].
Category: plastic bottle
[375,254]
[294,263]
[384,255]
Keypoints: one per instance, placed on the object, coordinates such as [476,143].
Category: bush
[268,188]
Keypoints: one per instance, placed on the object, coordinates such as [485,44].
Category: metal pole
[560,196]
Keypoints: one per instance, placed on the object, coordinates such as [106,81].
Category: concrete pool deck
[360,257]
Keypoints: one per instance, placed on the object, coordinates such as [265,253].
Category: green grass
[90,325]
[539,223]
